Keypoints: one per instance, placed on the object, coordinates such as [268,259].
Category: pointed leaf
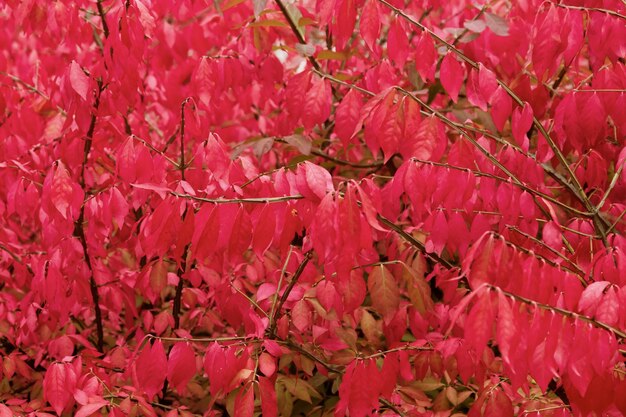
[384,291]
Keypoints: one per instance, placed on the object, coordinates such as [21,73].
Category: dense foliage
[325,207]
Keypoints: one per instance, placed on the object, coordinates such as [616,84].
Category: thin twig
[79,231]
[398,349]
[296,31]
[561,311]
[254,200]
[419,245]
[279,286]
[591,9]
[283,298]
[105,26]
[578,270]
[205,339]
[152,148]
[12,254]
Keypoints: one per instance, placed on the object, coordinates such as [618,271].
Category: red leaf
[58,386]
[63,193]
[381,127]
[397,43]
[353,291]
[301,315]
[5,411]
[498,405]
[151,369]
[501,108]
[425,57]
[269,403]
[481,85]
[369,26]
[452,74]
[506,329]
[521,122]
[244,403]
[78,80]
[360,388]
[384,291]
[591,297]
[318,180]
[609,308]
[295,93]
[88,409]
[347,115]
[479,323]
[267,364]
[317,103]
[345,20]
[181,366]
[428,142]
[264,230]
[222,366]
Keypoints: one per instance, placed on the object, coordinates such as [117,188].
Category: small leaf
[181,366]
[244,403]
[269,403]
[384,291]
[78,80]
[498,25]
[452,74]
[259,6]
[299,142]
[88,409]
[56,387]
[151,369]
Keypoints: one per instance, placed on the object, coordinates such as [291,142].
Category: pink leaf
[267,364]
[244,403]
[57,387]
[360,388]
[88,409]
[317,103]
[425,57]
[181,366]
[591,297]
[383,290]
[318,179]
[369,26]
[479,322]
[397,43]
[452,74]
[151,369]
[78,80]
[522,121]
[269,404]
[347,115]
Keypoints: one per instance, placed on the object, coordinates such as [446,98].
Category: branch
[79,231]
[274,318]
[559,310]
[591,9]
[578,270]
[419,245]
[252,200]
[183,262]
[12,254]
[105,27]
[152,148]
[294,29]
[205,339]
